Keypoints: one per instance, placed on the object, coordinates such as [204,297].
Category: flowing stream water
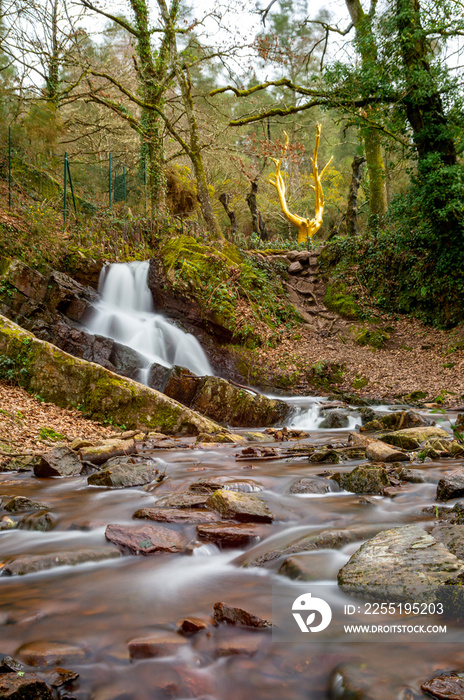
[100,607]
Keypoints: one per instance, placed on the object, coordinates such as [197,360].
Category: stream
[100,607]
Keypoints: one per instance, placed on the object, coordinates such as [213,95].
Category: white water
[126,314]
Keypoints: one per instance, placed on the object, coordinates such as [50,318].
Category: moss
[359,382]
[338,299]
[375,338]
[325,374]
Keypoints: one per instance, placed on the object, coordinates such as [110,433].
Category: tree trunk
[352,208]
[225,198]
[424,107]
[258,223]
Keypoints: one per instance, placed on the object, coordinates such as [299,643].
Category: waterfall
[126,314]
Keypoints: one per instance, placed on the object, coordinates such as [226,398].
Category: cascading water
[126,314]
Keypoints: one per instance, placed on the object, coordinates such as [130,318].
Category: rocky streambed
[143,566]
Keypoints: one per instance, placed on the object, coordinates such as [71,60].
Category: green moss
[325,374]
[375,338]
[359,382]
[338,299]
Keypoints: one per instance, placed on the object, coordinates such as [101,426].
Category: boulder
[144,539]
[48,653]
[312,485]
[26,280]
[176,515]
[182,385]
[451,485]
[31,564]
[24,686]
[60,461]
[412,438]
[123,476]
[229,534]
[445,686]
[452,536]
[42,521]
[325,456]
[126,361]
[239,506]
[399,420]
[220,400]
[237,616]
[334,420]
[21,504]
[68,296]
[7,523]
[401,563]
[158,377]
[366,478]
[295,267]
[70,382]
[99,454]
[378,451]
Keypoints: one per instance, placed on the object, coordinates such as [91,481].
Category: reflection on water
[101,607]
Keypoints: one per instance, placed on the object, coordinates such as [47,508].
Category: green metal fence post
[65,186]
[9,167]
[109,180]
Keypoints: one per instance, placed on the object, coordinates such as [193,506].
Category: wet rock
[399,420]
[334,420]
[21,504]
[144,539]
[215,483]
[7,523]
[225,403]
[412,438]
[60,461]
[445,686]
[10,664]
[25,687]
[451,485]
[452,536]
[182,385]
[123,476]
[126,361]
[325,456]
[176,515]
[99,454]
[50,653]
[413,476]
[239,506]
[313,485]
[189,626]
[42,521]
[155,645]
[61,676]
[238,616]
[158,377]
[378,451]
[31,564]
[251,436]
[223,437]
[229,534]
[183,499]
[25,463]
[366,478]
[239,644]
[456,449]
[309,567]
[401,563]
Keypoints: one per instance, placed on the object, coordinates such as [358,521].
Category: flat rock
[21,504]
[42,521]
[155,645]
[49,653]
[378,451]
[123,476]
[446,686]
[404,562]
[412,438]
[183,499]
[31,564]
[144,539]
[451,485]
[25,687]
[215,483]
[239,506]
[60,461]
[229,534]
[99,454]
[237,616]
[312,485]
[176,515]
[366,478]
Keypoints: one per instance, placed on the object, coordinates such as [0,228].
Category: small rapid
[126,314]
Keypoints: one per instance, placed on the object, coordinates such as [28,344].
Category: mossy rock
[338,299]
[325,374]
[412,438]
[69,382]
[363,479]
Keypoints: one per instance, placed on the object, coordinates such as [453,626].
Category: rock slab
[451,485]
[239,506]
[144,539]
[61,461]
